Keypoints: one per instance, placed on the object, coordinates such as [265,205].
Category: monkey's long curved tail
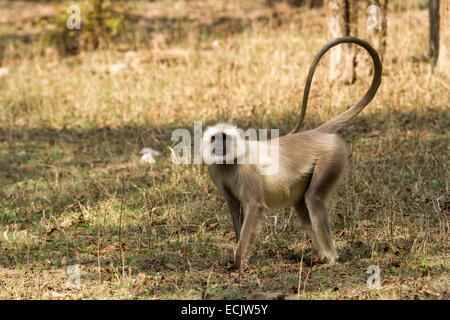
[337,123]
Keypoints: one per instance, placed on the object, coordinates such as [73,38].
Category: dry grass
[72,190]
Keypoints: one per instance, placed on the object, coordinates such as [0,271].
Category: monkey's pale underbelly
[279,194]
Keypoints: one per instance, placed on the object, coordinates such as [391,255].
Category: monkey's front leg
[253,217]
[236,213]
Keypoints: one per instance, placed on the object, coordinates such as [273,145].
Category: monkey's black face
[222,143]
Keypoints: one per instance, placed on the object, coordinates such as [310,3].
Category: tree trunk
[375,22]
[443,60]
[342,21]
[434,29]
[377,34]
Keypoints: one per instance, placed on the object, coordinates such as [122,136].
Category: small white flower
[148,155]
[215,44]
[117,68]
[4,71]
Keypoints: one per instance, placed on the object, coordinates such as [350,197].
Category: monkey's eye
[213,138]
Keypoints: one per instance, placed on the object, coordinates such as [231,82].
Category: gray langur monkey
[309,167]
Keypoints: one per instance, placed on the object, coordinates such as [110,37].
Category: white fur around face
[237,144]
[260,153]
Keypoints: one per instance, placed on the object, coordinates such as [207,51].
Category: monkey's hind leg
[303,213]
[326,175]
